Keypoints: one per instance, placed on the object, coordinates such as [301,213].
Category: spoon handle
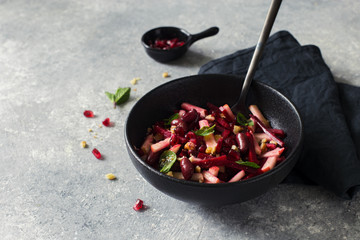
[207,33]
[270,18]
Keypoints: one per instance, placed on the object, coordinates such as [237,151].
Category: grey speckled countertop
[57,58]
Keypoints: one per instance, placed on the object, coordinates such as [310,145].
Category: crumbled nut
[170,173]
[235,148]
[263,147]
[100,126]
[165,75]
[95,136]
[134,81]
[83,144]
[189,146]
[273,142]
[134,89]
[172,128]
[237,129]
[110,176]
[198,169]
[210,118]
[210,150]
[90,130]
[158,137]
[264,140]
[217,137]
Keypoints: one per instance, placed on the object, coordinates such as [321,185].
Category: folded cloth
[330,111]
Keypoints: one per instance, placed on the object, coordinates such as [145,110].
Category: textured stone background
[56,60]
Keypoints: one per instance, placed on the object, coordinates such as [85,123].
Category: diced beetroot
[214,109]
[256,112]
[269,164]
[233,155]
[188,107]
[237,176]
[160,145]
[270,146]
[256,144]
[190,135]
[251,153]
[210,178]
[165,133]
[152,158]
[265,130]
[223,122]
[219,128]
[229,115]
[277,132]
[145,147]
[204,155]
[225,133]
[273,153]
[202,148]
[219,145]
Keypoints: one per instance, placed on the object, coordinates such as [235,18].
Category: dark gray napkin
[330,111]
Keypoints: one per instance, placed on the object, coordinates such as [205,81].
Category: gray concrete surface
[57,58]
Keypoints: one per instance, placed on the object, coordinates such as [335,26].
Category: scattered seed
[106,122]
[134,81]
[88,113]
[90,130]
[138,205]
[110,176]
[165,75]
[100,126]
[83,144]
[96,153]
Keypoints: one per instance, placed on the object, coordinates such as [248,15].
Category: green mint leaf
[204,131]
[167,160]
[168,121]
[248,164]
[122,95]
[110,96]
[243,121]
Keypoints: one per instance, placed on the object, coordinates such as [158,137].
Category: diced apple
[175,148]
[269,164]
[237,176]
[229,115]
[273,153]
[256,112]
[209,139]
[160,145]
[256,144]
[209,177]
[188,107]
[214,170]
[145,147]
[261,136]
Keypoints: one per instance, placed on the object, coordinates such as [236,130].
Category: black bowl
[162,101]
[164,56]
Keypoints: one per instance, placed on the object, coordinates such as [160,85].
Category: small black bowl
[162,101]
[163,56]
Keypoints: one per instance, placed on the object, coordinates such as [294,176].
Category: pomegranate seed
[106,122]
[88,114]
[96,153]
[138,205]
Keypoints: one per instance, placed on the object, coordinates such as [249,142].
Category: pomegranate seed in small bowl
[165,44]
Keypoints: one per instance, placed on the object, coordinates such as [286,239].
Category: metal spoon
[240,105]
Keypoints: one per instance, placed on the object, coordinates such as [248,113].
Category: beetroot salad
[213,145]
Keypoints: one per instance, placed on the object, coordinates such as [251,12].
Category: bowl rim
[218,185]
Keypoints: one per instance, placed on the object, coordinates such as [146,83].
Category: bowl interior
[164,33]
[162,101]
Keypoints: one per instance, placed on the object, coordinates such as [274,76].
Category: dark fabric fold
[330,111]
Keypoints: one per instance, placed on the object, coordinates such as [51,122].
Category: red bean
[242,142]
[187,169]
